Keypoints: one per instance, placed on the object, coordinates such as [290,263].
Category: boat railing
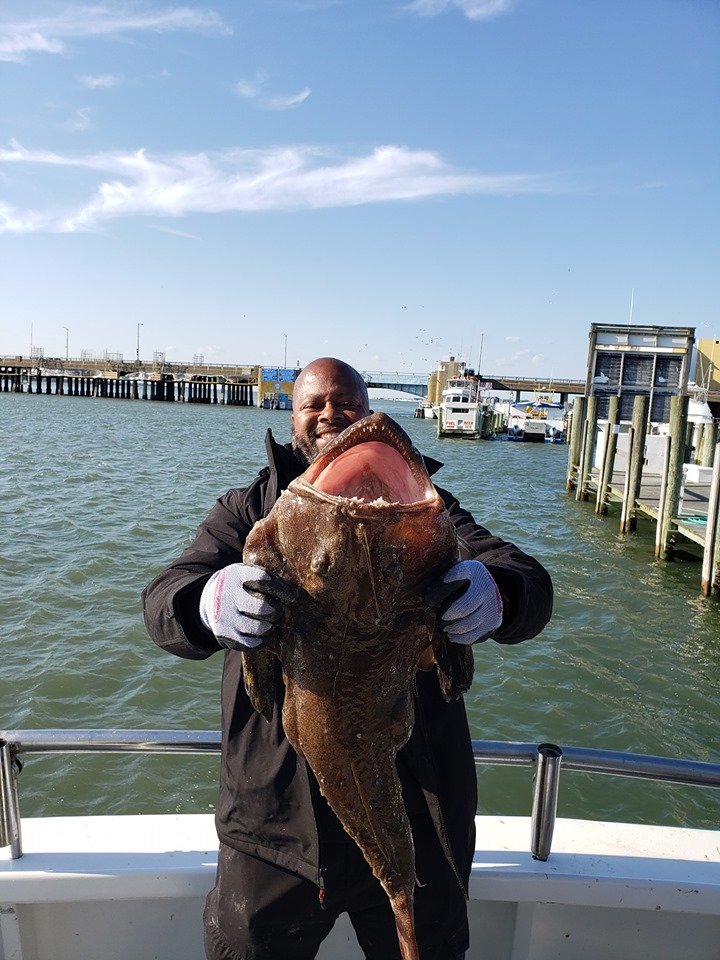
[546,759]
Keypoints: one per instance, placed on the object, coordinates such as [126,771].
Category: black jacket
[269,803]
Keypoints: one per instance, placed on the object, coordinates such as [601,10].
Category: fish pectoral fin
[259,679]
[455,666]
[426,660]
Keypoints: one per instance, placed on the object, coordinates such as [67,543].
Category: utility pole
[137,355]
[285,361]
[67,334]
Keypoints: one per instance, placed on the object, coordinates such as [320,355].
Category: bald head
[328,396]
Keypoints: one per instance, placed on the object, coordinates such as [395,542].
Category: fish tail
[402,908]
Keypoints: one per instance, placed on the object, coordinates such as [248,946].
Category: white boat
[537,422]
[133,887]
[425,410]
[459,413]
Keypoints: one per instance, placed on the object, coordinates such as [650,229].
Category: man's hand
[242,604]
[468,602]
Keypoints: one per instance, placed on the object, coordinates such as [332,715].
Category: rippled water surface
[99,494]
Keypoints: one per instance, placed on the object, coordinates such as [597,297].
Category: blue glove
[477,610]
[241,604]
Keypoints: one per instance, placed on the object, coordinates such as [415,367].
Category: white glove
[478,611]
[242,603]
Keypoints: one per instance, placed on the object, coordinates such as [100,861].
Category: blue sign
[279,374]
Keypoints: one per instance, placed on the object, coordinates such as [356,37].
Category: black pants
[258,911]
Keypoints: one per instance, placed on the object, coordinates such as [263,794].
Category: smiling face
[328,396]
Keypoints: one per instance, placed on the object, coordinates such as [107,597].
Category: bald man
[286,867]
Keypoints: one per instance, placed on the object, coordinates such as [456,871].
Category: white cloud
[472,9]
[111,19]
[15,43]
[253,90]
[249,89]
[100,81]
[286,103]
[243,180]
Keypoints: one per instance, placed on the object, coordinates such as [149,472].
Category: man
[286,867]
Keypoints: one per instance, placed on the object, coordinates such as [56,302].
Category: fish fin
[455,666]
[259,679]
[426,660]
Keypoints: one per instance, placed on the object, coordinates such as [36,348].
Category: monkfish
[361,534]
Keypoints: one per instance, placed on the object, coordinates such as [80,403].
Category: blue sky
[386,181]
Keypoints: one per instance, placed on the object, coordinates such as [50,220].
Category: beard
[304,448]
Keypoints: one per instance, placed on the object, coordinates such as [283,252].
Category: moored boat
[537,422]
[459,413]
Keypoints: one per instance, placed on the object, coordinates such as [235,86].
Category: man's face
[326,401]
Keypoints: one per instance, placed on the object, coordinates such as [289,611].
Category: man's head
[328,396]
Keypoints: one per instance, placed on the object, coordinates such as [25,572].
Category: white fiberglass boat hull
[133,887]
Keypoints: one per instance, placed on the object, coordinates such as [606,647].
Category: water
[98,495]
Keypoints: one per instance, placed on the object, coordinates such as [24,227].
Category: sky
[388,181]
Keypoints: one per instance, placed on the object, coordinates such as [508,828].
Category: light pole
[137,355]
[67,334]
[285,362]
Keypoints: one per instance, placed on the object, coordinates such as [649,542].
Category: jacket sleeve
[524,584]
[171,602]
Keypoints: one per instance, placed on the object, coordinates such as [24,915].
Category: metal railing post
[9,807]
[544,808]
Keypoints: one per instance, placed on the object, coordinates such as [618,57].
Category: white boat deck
[105,888]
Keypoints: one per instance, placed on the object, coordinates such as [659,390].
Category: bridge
[416,384]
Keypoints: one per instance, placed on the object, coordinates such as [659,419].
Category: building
[629,361]
[275,387]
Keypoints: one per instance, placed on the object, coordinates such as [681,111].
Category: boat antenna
[632,304]
[482,338]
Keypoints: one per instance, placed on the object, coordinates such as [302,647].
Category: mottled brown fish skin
[349,651]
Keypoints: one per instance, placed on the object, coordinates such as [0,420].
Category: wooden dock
[691,521]
[680,492]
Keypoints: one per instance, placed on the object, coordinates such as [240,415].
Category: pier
[671,479]
[231,384]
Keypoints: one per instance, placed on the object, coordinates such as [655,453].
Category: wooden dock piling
[577,419]
[609,451]
[678,421]
[711,550]
[588,449]
[636,459]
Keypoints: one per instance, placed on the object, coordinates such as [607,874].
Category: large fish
[361,533]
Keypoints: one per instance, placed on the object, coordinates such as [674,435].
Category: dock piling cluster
[671,478]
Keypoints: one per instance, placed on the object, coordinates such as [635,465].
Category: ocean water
[98,495]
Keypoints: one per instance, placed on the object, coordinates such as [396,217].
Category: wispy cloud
[111,19]
[175,233]
[242,180]
[254,90]
[80,120]
[472,9]
[100,81]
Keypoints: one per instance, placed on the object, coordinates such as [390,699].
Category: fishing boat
[542,888]
[537,422]
[459,413]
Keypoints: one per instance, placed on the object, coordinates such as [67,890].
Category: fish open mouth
[373,461]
